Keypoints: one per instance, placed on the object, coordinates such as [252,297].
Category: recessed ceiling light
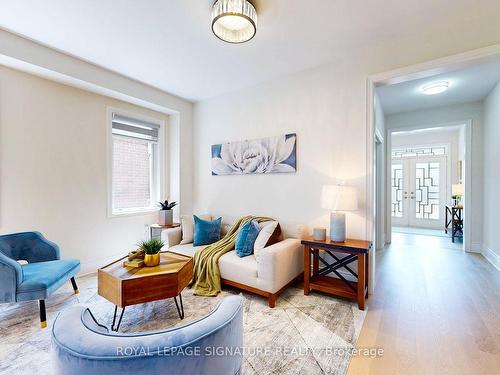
[435,87]
[234,21]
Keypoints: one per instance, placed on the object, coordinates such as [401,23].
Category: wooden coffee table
[126,286]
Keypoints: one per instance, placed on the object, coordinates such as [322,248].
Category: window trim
[161,160]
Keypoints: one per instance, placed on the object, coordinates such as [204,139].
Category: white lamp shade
[339,198]
[457,190]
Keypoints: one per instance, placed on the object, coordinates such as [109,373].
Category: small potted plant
[166,213]
[151,250]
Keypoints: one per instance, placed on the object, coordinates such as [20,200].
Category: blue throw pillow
[246,238]
[206,232]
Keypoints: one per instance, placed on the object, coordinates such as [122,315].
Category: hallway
[420,231]
[435,310]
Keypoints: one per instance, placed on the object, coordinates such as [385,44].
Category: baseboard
[492,257]
[476,247]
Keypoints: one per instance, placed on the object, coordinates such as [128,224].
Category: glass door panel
[418,191]
[428,189]
[399,194]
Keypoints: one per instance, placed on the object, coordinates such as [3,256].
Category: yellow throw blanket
[206,279]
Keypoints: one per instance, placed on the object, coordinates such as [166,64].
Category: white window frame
[160,163]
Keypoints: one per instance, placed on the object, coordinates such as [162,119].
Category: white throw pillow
[267,230]
[187,225]
[224,229]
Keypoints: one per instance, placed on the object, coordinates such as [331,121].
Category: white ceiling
[466,85]
[168,43]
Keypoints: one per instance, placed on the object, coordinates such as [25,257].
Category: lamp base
[337,226]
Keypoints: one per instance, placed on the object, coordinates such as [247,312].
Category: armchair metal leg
[43,316]
[75,288]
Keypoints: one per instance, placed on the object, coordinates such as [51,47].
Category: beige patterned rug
[301,335]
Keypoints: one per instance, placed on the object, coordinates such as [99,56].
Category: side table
[454,218]
[340,286]
[159,227]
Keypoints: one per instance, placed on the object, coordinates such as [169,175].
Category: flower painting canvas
[265,155]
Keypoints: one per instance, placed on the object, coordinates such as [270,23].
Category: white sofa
[277,267]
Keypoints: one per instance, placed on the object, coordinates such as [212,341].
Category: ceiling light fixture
[435,87]
[234,21]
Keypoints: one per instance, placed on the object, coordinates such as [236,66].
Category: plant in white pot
[166,213]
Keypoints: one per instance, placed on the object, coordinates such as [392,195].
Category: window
[135,166]
[410,152]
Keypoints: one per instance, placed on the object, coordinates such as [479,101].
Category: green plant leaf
[152,246]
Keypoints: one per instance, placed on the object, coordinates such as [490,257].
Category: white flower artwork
[265,155]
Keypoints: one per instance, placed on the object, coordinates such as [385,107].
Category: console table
[353,250]
[454,218]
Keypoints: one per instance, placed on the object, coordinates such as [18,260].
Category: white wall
[454,114]
[461,148]
[491,247]
[53,159]
[330,147]
[379,114]
[26,55]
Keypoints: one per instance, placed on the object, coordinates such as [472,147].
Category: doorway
[454,78]
[418,191]
[426,164]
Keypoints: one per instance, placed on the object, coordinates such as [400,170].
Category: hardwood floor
[436,310]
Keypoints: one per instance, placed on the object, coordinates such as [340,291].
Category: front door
[418,191]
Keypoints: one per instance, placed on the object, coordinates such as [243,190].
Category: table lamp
[338,199]
[457,191]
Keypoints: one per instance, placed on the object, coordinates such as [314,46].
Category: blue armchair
[37,279]
[212,345]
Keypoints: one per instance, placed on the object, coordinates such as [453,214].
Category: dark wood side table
[159,227]
[454,218]
[318,279]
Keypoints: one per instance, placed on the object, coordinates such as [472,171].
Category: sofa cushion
[186,249]
[276,237]
[246,238]
[206,232]
[42,278]
[187,225]
[267,230]
[240,270]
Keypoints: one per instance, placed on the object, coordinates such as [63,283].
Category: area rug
[301,335]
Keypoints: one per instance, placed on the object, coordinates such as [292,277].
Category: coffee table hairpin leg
[181,311]
[113,328]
